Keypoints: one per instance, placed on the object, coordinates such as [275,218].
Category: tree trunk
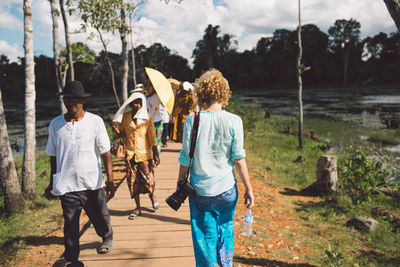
[394,9]
[28,166]
[300,81]
[327,170]
[133,57]
[110,66]
[67,41]
[54,16]
[13,199]
[133,68]
[125,65]
[346,65]
[327,177]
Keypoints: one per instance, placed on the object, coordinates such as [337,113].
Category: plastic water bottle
[248,223]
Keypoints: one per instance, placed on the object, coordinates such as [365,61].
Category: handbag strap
[193,140]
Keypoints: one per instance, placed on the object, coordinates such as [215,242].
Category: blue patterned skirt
[212,228]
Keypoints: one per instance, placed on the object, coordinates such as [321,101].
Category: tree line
[339,57]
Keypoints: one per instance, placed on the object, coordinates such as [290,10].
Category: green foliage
[105,15]
[360,176]
[333,257]
[250,114]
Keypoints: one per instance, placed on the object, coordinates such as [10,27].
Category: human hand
[156,159]
[48,194]
[249,199]
[114,127]
[110,189]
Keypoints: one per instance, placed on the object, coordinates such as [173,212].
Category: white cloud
[11,51]
[8,20]
[180,26]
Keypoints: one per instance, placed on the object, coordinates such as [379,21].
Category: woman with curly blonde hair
[219,149]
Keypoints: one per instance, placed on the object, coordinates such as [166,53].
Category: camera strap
[193,139]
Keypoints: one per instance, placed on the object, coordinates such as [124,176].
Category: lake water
[369,107]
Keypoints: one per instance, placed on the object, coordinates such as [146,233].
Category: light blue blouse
[219,143]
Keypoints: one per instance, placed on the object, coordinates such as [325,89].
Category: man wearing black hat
[76,141]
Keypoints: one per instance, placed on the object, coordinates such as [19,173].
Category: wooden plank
[157,238]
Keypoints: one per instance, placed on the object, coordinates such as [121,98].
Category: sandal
[135,213]
[105,247]
[156,205]
[132,216]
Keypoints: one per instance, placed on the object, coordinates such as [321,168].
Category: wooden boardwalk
[160,238]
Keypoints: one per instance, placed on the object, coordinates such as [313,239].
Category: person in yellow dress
[185,103]
[139,135]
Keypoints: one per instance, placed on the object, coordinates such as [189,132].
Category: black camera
[184,189]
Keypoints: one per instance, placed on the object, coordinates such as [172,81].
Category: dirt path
[163,238]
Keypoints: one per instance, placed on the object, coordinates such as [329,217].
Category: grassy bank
[39,217]
[271,155]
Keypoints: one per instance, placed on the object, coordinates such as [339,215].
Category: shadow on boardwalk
[151,215]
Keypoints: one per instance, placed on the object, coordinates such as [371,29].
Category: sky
[179,26]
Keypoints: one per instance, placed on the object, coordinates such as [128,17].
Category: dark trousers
[165,133]
[94,204]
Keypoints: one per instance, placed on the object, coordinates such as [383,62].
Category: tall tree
[28,166]
[211,50]
[345,35]
[54,16]
[13,199]
[394,9]
[133,60]
[80,53]
[299,80]
[67,41]
[206,49]
[124,31]
[102,16]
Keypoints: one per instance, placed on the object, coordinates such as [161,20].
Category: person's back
[219,148]
[219,142]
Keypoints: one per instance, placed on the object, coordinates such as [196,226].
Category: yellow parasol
[162,87]
[174,83]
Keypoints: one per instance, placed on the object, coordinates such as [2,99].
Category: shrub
[249,113]
[360,176]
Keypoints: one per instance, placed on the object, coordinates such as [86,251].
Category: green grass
[383,139]
[270,153]
[37,219]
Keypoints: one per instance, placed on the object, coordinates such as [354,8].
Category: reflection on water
[368,107]
[381,99]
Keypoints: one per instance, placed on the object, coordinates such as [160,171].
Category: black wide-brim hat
[74,89]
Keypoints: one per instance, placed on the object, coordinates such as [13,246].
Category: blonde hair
[212,87]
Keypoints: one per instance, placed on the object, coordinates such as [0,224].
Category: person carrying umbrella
[160,99]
